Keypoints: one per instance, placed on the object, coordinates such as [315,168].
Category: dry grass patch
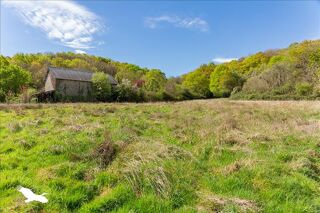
[236,166]
[213,203]
[143,164]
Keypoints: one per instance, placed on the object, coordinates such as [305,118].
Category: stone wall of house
[73,88]
[49,84]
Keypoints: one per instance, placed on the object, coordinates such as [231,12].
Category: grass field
[196,156]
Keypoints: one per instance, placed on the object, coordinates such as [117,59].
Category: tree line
[290,73]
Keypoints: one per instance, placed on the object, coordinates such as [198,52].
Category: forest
[291,73]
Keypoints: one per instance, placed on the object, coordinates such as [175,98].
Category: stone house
[70,83]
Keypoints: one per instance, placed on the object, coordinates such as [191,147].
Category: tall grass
[194,156]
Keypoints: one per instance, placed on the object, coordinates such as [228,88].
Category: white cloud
[220,60]
[188,23]
[65,21]
[80,52]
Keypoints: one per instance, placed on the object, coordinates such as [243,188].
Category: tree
[3,61]
[129,72]
[252,62]
[154,80]
[101,86]
[275,59]
[80,64]
[13,78]
[223,81]
[197,82]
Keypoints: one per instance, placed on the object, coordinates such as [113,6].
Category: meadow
[190,156]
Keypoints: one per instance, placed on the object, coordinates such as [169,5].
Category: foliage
[3,61]
[2,96]
[154,81]
[303,88]
[27,94]
[13,78]
[197,82]
[291,73]
[272,72]
[223,81]
[101,86]
[174,90]
[126,92]
[130,72]
[272,78]
[275,59]
[248,64]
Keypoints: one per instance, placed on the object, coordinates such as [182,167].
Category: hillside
[193,156]
[290,73]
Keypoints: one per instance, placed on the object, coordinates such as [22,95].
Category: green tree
[223,81]
[197,82]
[13,78]
[250,63]
[275,59]
[101,86]
[129,72]
[3,61]
[80,64]
[155,80]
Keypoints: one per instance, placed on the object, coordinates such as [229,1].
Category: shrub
[303,88]
[26,94]
[13,78]
[173,89]
[153,96]
[101,86]
[2,96]
[126,92]
[278,75]
[105,153]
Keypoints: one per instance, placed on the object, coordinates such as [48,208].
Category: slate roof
[75,75]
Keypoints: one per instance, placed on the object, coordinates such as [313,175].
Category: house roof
[75,75]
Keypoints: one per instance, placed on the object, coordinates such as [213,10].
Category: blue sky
[174,36]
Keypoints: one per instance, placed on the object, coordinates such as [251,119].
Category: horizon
[175,37]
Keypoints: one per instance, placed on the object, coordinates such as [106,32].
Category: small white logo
[32,196]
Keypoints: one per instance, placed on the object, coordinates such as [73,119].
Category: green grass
[194,156]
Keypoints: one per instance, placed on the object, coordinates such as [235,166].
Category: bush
[2,96]
[13,78]
[101,86]
[153,96]
[26,94]
[105,153]
[304,88]
[125,92]
[277,76]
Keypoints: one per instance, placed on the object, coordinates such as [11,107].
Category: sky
[174,36]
